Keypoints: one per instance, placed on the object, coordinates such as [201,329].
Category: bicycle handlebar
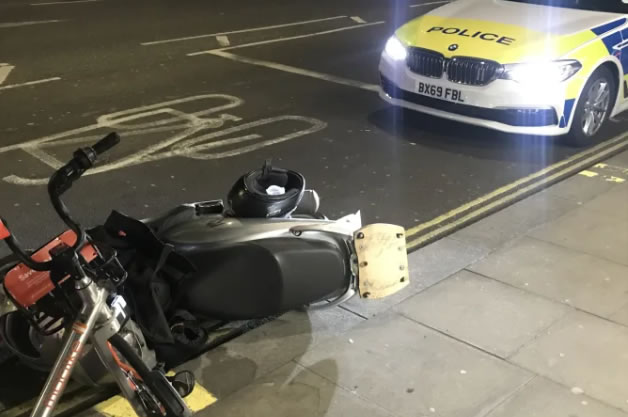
[106,143]
[60,182]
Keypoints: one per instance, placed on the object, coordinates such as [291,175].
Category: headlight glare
[541,72]
[395,49]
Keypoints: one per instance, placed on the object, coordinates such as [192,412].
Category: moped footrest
[382,260]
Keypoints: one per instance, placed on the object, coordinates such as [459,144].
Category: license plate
[437,91]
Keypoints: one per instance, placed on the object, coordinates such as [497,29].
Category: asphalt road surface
[295,81]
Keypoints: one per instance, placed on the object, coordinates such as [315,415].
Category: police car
[539,67]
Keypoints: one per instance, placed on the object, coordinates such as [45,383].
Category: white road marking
[44,157]
[120,120]
[260,28]
[188,134]
[223,40]
[358,19]
[190,149]
[307,35]
[64,2]
[28,23]
[430,3]
[5,70]
[46,80]
[295,70]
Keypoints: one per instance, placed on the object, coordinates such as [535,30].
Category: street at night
[202,92]
[308,83]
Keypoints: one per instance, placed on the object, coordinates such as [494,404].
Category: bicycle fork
[95,312]
[74,341]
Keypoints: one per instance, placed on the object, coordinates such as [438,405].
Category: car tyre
[593,110]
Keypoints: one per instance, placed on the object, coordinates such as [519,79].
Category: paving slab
[514,221]
[613,203]
[544,398]
[428,266]
[583,352]
[483,312]
[621,316]
[564,275]
[294,391]
[238,363]
[579,188]
[589,231]
[414,371]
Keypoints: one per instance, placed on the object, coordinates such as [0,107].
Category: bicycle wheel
[156,393]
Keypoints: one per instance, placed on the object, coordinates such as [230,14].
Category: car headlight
[395,49]
[541,72]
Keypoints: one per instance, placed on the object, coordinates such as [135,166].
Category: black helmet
[267,192]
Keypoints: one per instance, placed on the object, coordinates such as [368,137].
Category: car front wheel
[593,110]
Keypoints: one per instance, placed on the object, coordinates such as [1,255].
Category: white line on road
[5,70]
[430,3]
[45,80]
[295,70]
[211,35]
[307,35]
[44,157]
[358,19]
[223,40]
[28,23]
[64,2]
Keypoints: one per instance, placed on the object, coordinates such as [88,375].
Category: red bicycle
[70,284]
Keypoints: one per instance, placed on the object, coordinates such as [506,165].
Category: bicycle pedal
[183,382]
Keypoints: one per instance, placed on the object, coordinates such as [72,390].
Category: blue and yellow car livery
[542,67]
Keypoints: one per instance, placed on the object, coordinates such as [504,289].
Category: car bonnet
[506,31]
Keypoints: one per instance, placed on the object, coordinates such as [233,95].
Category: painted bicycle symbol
[178,128]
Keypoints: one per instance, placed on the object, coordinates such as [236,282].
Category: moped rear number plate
[382,260]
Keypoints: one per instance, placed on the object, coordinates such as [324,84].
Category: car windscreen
[614,6]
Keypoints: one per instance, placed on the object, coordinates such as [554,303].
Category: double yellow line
[107,404]
[118,406]
[422,234]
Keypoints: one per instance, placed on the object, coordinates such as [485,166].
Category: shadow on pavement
[258,373]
